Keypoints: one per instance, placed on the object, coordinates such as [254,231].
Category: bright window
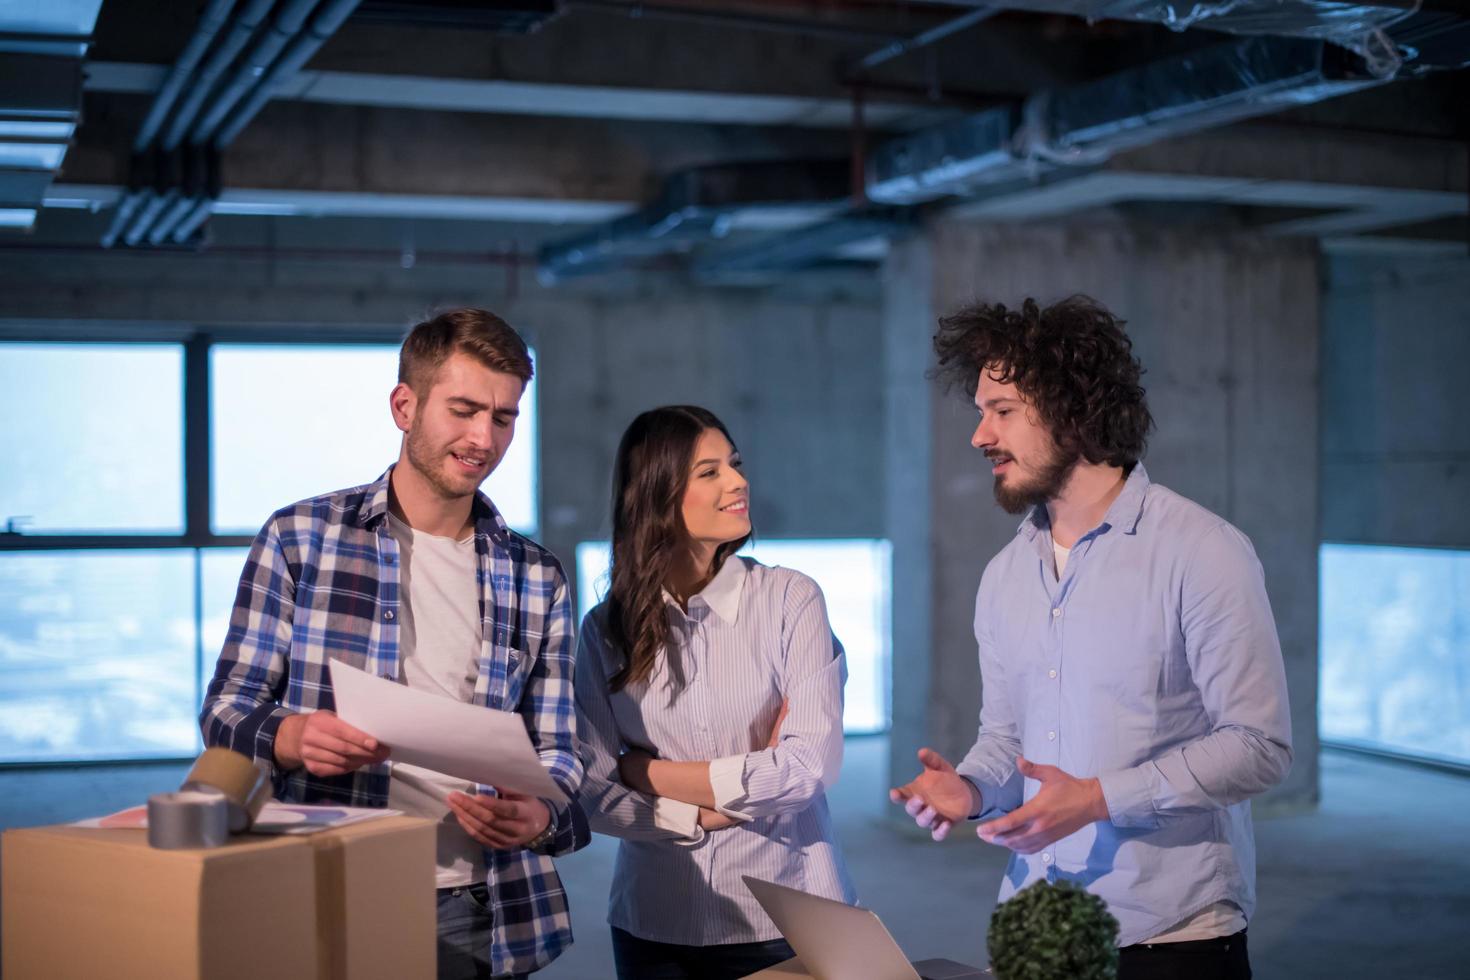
[93,438]
[105,649]
[1395,649]
[97,655]
[290,422]
[854,575]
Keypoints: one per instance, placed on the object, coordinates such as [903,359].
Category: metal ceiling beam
[546,99]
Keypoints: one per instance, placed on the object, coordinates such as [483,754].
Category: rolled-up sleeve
[1234,657]
[613,808]
[805,761]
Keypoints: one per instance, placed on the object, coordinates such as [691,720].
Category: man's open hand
[1063,806]
[938,796]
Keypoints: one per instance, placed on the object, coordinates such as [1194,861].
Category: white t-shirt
[438,652]
[1061,555]
[1210,922]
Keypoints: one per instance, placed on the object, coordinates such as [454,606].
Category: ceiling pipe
[153,204]
[328,19]
[122,214]
[241,30]
[897,49]
[169,219]
[190,222]
[326,23]
[216,112]
[210,22]
[199,178]
[285,25]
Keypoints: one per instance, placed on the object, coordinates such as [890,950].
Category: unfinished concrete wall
[1226,327]
[1395,438]
[797,384]
[796,373]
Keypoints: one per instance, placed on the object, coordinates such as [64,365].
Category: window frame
[195,404]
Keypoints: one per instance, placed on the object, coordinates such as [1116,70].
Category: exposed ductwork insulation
[1081,125]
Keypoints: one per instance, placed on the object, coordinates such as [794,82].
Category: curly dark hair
[1071,361]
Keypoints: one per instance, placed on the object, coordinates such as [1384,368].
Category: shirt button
[1051,736]
[1056,613]
[388,615]
[1051,673]
[1045,858]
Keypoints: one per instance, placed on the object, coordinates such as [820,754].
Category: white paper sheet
[468,741]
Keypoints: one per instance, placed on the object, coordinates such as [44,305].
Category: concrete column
[1395,446]
[1227,329]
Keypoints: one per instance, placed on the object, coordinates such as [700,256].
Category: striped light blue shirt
[1153,665]
[753,637]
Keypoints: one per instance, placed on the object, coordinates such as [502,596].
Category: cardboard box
[353,902]
[375,909]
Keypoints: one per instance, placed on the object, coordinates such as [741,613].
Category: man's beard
[422,457]
[1046,485]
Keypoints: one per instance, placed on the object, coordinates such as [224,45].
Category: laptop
[836,941]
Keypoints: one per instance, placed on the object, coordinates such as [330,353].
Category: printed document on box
[469,741]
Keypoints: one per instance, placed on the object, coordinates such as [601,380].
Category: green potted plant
[1053,931]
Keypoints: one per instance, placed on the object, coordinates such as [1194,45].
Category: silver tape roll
[245,784]
[189,818]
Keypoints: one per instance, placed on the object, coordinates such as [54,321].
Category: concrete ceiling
[582,121]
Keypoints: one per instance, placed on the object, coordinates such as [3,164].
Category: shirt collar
[1124,513]
[486,517]
[722,595]
[1127,510]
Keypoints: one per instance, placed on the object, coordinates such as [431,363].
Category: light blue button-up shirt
[1153,665]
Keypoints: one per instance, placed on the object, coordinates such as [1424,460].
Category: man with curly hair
[1133,693]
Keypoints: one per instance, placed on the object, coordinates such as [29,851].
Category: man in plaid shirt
[417,578]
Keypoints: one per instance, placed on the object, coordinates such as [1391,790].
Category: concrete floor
[1375,884]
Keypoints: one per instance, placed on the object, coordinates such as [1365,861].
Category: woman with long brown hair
[709,701]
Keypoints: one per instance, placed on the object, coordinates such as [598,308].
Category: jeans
[465,920]
[644,959]
[1204,959]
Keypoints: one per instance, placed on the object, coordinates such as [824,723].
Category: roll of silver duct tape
[188,818]
[244,783]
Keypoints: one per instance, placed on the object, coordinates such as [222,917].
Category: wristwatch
[547,835]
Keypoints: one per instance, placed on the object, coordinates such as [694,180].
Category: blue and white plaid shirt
[322,581]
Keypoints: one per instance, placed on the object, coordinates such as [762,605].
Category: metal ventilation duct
[802,247]
[696,205]
[1083,124]
[1328,20]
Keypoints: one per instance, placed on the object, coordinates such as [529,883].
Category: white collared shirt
[753,636]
